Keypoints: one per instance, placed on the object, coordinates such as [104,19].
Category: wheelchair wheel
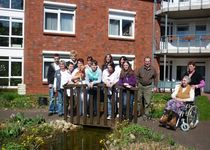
[192,117]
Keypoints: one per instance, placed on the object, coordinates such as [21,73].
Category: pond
[87,138]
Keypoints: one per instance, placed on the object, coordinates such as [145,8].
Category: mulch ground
[198,138]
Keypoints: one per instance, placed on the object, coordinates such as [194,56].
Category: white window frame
[57,9]
[116,58]
[48,57]
[10,36]
[121,15]
[10,60]
[10,6]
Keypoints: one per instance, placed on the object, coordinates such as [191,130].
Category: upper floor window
[121,24]
[59,17]
[11,4]
[200,30]
[11,32]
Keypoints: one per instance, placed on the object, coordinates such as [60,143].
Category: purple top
[131,80]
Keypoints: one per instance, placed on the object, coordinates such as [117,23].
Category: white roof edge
[55,52]
[60,4]
[122,11]
[119,55]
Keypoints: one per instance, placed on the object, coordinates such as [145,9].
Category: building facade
[185,36]
[33,30]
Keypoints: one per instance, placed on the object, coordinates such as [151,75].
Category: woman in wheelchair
[183,93]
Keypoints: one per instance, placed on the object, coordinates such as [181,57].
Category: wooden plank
[120,106]
[128,104]
[98,104]
[78,104]
[71,104]
[135,106]
[91,108]
[65,105]
[113,108]
[85,105]
[105,106]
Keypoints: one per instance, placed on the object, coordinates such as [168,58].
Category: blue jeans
[110,104]
[124,102]
[53,106]
[60,102]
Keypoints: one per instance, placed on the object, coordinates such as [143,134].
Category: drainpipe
[166,46]
[153,30]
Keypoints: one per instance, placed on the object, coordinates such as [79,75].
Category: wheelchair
[188,117]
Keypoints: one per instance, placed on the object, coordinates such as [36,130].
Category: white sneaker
[109,117]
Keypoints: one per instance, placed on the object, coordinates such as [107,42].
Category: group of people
[76,72]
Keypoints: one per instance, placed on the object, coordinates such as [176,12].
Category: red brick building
[90,27]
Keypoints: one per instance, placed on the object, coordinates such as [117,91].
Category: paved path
[198,138]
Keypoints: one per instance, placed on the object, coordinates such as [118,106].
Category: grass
[203,105]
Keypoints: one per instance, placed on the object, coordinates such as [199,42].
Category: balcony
[184,8]
[184,44]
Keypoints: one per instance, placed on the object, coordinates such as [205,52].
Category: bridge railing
[86,106]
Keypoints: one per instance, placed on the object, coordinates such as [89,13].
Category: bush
[13,146]
[13,100]
[20,133]
[133,136]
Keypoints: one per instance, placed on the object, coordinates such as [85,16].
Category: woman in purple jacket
[127,80]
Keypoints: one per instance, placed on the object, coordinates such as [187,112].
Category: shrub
[13,100]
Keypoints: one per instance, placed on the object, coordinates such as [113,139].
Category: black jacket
[50,74]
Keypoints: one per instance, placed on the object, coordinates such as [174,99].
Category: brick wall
[91,36]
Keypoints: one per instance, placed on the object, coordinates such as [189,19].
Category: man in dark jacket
[50,78]
[146,76]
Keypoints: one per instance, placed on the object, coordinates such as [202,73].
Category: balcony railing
[173,5]
[184,44]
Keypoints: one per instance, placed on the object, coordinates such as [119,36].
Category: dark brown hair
[128,72]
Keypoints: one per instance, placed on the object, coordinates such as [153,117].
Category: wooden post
[85,105]
[105,105]
[98,104]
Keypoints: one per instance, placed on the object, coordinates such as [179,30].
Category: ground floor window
[116,58]
[48,59]
[11,71]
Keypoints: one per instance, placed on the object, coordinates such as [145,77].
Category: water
[87,138]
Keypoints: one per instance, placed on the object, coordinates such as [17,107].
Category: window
[59,17]
[48,59]
[11,71]
[182,31]
[121,24]
[200,30]
[116,58]
[181,70]
[11,32]
[11,4]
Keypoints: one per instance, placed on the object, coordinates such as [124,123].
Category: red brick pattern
[91,36]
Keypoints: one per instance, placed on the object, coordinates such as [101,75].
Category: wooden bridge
[76,96]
